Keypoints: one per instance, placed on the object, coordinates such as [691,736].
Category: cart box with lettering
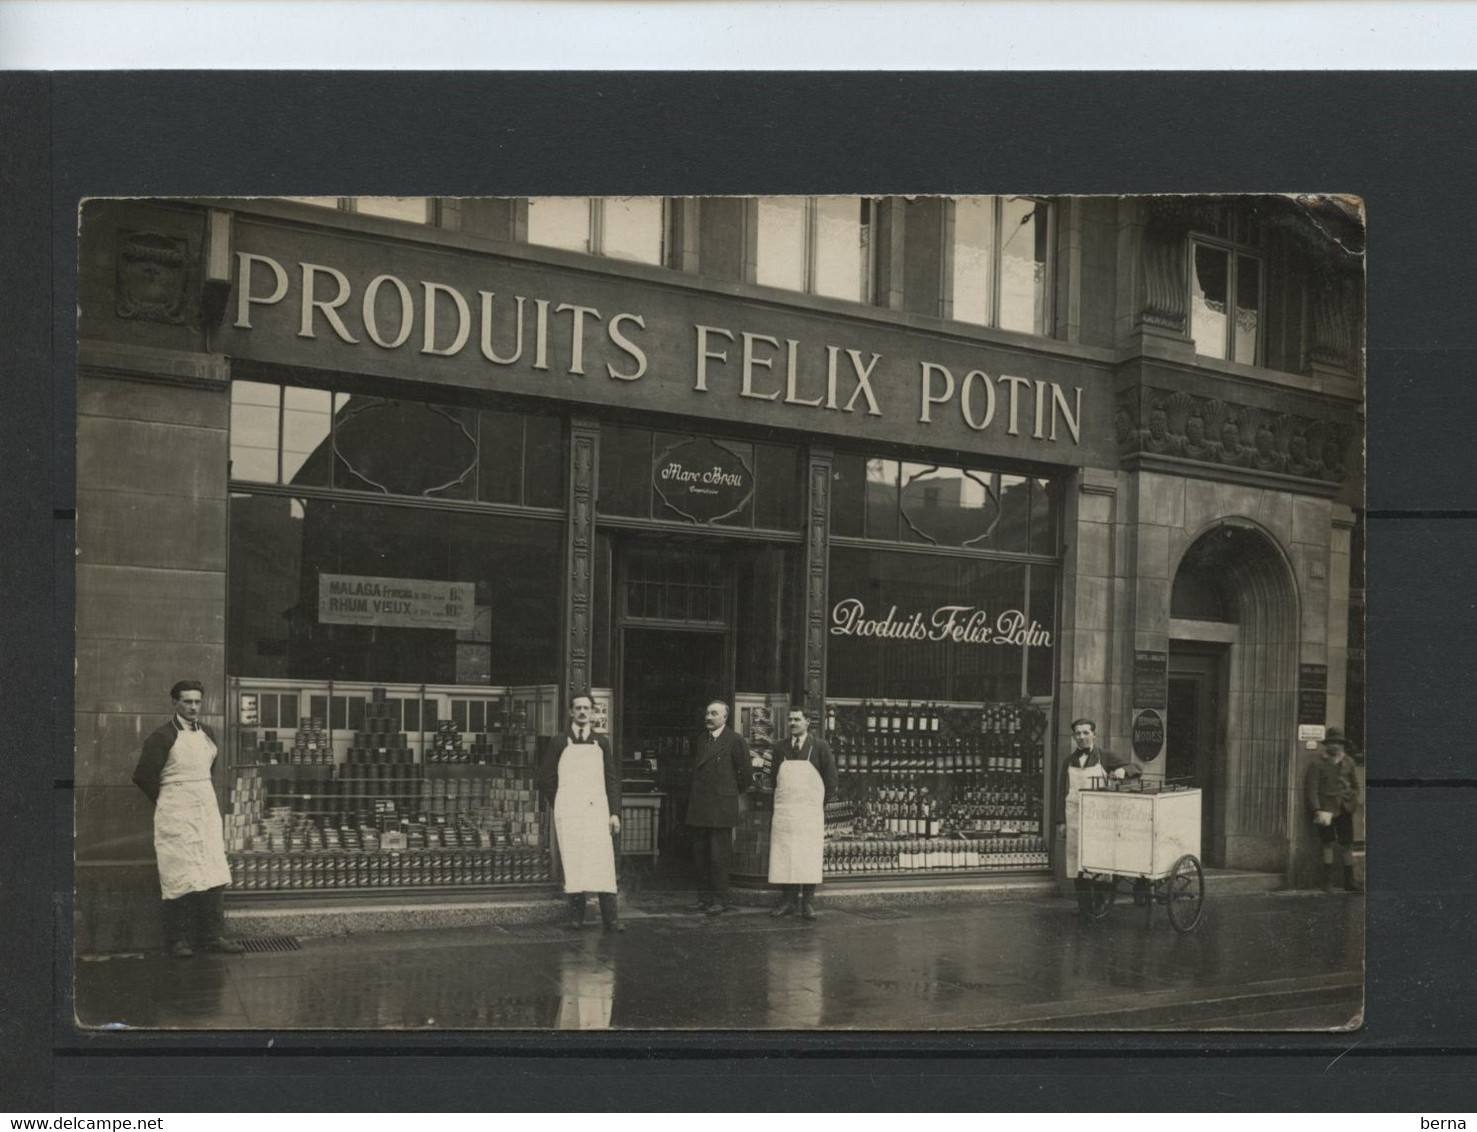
[1138,832]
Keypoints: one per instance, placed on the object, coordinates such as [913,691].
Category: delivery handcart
[1145,832]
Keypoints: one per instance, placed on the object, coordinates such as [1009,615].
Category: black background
[1403,141]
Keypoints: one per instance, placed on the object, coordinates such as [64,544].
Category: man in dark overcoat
[720,772]
[1331,792]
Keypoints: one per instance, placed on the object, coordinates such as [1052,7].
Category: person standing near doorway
[804,781]
[720,773]
[174,770]
[1331,790]
[1086,763]
[581,779]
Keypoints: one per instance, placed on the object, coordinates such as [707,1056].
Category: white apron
[582,820]
[797,831]
[188,842]
[1077,779]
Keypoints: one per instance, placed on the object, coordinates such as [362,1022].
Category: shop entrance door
[1196,741]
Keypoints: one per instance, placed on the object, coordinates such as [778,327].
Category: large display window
[393,629]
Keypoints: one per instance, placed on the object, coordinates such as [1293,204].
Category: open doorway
[1195,748]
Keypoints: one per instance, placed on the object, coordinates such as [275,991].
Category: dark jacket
[720,771]
[155,754]
[1106,760]
[1331,786]
[819,753]
[548,771]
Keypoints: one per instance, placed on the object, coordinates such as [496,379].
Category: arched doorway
[1232,692]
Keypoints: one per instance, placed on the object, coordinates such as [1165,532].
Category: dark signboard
[1313,693]
[703,480]
[324,296]
[1148,735]
[1151,679]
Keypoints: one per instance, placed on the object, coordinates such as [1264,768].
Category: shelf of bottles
[355,787]
[929,786]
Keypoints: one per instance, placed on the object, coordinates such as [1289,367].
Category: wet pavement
[1258,962]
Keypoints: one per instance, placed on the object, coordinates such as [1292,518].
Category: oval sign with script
[703,480]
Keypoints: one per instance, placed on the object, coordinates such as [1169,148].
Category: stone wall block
[137,603]
[1152,551]
[151,530]
[1093,550]
[151,459]
[153,402]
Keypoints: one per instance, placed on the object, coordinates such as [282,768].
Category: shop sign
[306,297]
[401,603]
[1151,679]
[945,624]
[703,481]
[1148,735]
[1313,694]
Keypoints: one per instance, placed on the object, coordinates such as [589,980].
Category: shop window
[1226,302]
[817,245]
[316,438]
[631,458]
[1001,256]
[414,210]
[678,589]
[284,551]
[884,500]
[631,228]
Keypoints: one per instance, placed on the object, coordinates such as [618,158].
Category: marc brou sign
[946,624]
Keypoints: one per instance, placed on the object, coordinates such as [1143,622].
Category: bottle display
[925,785]
[379,806]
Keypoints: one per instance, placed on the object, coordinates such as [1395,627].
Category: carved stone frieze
[1211,431]
[152,277]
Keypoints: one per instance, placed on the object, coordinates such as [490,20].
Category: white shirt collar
[183,724]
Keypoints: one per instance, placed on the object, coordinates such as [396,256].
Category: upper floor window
[1000,272]
[818,245]
[1227,289]
[631,228]
[416,210]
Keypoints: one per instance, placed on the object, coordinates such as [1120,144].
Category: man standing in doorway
[581,779]
[720,772]
[1331,789]
[174,770]
[1084,764]
[804,781]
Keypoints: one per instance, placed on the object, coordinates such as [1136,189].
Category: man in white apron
[580,777]
[804,781]
[174,771]
[1085,764]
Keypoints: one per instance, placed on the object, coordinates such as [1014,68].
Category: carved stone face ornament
[1195,444]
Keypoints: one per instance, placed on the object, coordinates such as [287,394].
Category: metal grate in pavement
[270,943]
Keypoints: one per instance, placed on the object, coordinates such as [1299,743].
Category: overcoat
[720,772]
[1331,786]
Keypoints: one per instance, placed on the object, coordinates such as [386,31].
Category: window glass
[414,209]
[974,259]
[560,222]
[404,447]
[317,202]
[882,488]
[948,506]
[544,461]
[280,547]
[840,248]
[1045,509]
[307,419]
[1040,668]
[1248,308]
[848,495]
[780,255]
[499,457]
[780,490]
[1209,292]
[1023,252]
[254,431]
[625,472]
[633,228]
[763,617]
[1014,530]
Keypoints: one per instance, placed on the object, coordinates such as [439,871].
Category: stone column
[817,566]
[579,572]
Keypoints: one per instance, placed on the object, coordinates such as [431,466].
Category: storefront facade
[395,486]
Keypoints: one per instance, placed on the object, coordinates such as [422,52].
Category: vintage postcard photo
[866,613]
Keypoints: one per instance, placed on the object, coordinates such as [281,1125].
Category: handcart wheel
[1184,893]
[1099,897]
